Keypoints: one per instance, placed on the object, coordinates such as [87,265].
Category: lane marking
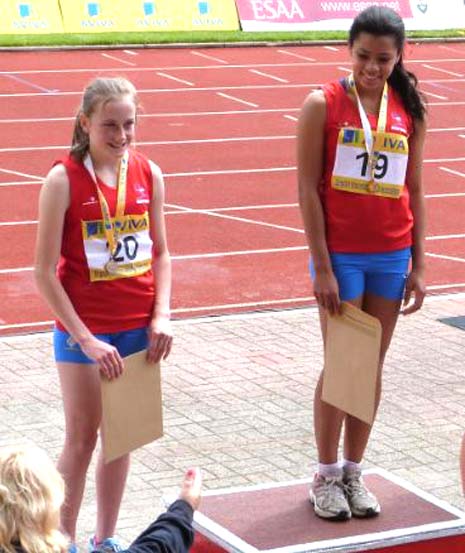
[291,117]
[218,67]
[126,62]
[445,236]
[443,70]
[306,86]
[31,85]
[229,97]
[438,96]
[26,325]
[259,207]
[294,55]
[161,74]
[332,48]
[131,53]
[20,182]
[206,56]
[11,172]
[236,253]
[262,74]
[235,218]
[346,69]
[446,257]
[452,171]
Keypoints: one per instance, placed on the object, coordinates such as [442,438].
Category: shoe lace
[355,486]
[332,486]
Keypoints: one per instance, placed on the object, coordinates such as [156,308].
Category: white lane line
[445,236]
[206,56]
[239,305]
[26,325]
[131,53]
[262,74]
[347,70]
[236,253]
[452,172]
[446,257]
[43,90]
[444,160]
[17,270]
[234,218]
[114,58]
[438,96]
[445,287]
[442,70]
[161,74]
[294,55]
[164,115]
[332,48]
[98,70]
[17,223]
[445,195]
[11,172]
[229,97]
[450,49]
[291,117]
[260,87]
[20,182]
[239,208]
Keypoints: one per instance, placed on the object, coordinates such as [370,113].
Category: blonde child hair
[31,494]
[99,91]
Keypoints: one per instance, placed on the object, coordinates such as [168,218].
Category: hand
[326,290]
[160,339]
[105,355]
[191,487]
[415,285]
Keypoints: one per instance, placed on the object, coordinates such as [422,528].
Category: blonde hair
[99,91]
[31,494]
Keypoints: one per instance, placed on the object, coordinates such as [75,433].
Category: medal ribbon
[111,230]
[380,127]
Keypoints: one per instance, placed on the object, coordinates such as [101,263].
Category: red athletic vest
[108,305]
[355,222]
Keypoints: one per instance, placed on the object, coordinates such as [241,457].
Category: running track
[221,124]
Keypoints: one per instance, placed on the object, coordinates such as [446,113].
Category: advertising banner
[30,17]
[333,15]
[82,16]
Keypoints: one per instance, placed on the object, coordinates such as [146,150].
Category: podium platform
[279,518]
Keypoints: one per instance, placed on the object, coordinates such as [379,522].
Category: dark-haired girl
[360,146]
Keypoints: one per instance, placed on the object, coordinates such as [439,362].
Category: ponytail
[405,84]
[80,140]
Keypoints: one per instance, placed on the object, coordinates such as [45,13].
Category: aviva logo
[203,7]
[93,9]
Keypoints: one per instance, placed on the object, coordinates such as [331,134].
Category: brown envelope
[131,407]
[352,350]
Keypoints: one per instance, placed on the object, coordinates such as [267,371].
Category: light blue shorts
[126,342]
[381,274]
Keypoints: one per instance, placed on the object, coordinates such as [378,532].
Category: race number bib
[133,254]
[353,170]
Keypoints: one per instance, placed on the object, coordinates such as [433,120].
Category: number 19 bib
[383,175]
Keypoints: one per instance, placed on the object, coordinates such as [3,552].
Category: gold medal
[111,266]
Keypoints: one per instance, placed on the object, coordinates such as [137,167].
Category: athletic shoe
[362,502]
[328,497]
[108,545]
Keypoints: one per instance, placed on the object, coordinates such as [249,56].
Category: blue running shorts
[381,274]
[126,342]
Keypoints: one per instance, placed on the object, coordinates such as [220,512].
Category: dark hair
[382,21]
[100,90]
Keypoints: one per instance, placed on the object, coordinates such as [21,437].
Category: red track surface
[221,124]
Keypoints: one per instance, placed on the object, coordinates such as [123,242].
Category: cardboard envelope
[131,407]
[352,350]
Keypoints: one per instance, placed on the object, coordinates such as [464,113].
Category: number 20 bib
[352,171]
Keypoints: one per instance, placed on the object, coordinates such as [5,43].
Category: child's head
[379,21]
[96,95]
[31,494]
